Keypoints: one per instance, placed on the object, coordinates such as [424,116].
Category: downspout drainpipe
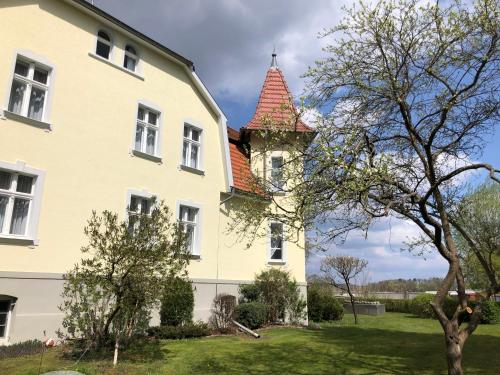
[233,193]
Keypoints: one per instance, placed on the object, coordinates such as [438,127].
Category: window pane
[2,331]
[277,162]
[195,135]
[16,96]
[134,204]
[186,131]
[276,254]
[138,137]
[276,236]
[41,75]
[194,156]
[190,237]
[140,113]
[19,216]
[145,205]
[130,50]
[3,207]
[37,99]
[4,306]
[24,184]
[185,150]
[5,178]
[22,68]
[129,63]
[103,35]
[152,118]
[102,49]
[151,141]
[191,215]
[3,318]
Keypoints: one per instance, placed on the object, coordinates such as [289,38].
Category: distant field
[390,344]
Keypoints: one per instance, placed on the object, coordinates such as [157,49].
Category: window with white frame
[138,206]
[29,90]
[103,46]
[147,130]
[277,177]
[16,201]
[276,242]
[188,217]
[191,149]
[4,318]
[130,59]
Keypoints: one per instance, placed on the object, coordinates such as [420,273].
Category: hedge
[21,348]
[177,303]
[252,314]
[186,331]
[322,306]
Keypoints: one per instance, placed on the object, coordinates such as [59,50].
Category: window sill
[276,262]
[27,120]
[133,74]
[143,155]
[17,240]
[192,170]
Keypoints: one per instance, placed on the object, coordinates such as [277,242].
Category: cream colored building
[98,116]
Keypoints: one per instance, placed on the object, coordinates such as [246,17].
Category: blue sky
[230,42]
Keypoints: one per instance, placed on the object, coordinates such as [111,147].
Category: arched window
[103,47]
[130,60]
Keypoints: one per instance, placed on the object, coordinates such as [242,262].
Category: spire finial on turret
[274,62]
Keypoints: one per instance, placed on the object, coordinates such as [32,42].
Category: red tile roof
[276,103]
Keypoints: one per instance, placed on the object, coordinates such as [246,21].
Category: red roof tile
[240,164]
[276,103]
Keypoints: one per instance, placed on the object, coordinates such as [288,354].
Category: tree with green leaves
[340,271]
[108,296]
[409,93]
[477,235]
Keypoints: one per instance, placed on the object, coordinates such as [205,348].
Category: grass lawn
[390,344]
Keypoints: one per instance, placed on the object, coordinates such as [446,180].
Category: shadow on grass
[351,350]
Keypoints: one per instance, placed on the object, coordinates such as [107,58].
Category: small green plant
[490,312]
[177,303]
[251,314]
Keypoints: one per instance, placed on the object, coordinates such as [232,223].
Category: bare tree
[340,270]
[410,93]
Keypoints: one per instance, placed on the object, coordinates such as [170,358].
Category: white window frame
[33,60]
[191,143]
[196,249]
[8,320]
[274,186]
[35,205]
[130,55]
[107,42]
[144,194]
[148,108]
[270,260]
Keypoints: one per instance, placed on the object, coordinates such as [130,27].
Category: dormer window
[130,59]
[103,47]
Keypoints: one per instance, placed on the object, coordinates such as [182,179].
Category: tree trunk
[115,358]
[453,350]
[354,310]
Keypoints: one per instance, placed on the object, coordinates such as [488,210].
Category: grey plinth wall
[365,309]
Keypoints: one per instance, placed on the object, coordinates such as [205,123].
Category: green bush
[21,348]
[249,293]
[177,303]
[186,331]
[421,306]
[490,312]
[323,307]
[252,314]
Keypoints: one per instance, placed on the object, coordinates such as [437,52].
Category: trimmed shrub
[186,331]
[421,306]
[252,314]
[490,312]
[177,303]
[21,348]
[322,306]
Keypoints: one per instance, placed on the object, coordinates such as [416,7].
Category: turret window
[277,177]
[276,242]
